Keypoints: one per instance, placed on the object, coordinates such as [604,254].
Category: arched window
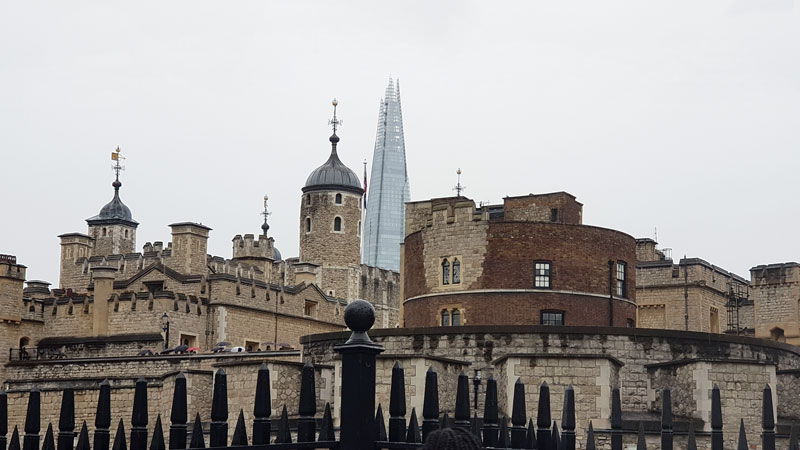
[126,234]
[456,314]
[456,274]
[445,318]
[308,224]
[338,199]
[445,272]
[337,224]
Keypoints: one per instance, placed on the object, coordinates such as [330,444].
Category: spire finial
[335,122]
[266,213]
[116,157]
[458,188]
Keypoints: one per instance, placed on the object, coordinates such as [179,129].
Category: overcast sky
[679,115]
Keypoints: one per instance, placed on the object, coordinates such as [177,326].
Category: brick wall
[516,308]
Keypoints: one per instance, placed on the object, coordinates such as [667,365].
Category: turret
[330,212]
[12,276]
[190,247]
[73,247]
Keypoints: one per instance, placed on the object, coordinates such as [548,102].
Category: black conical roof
[333,175]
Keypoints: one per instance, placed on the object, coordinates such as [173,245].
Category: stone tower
[384,224]
[12,275]
[330,212]
[113,230]
[259,252]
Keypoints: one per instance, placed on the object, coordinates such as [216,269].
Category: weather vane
[266,214]
[335,122]
[458,188]
[115,156]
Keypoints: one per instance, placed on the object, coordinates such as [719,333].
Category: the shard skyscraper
[388,190]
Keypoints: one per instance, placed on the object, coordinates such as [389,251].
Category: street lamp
[476,381]
[165,329]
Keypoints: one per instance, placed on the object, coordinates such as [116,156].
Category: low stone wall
[85,376]
[642,362]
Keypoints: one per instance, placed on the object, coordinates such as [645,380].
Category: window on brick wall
[445,318]
[552,318]
[553,214]
[630,323]
[622,290]
[456,317]
[542,277]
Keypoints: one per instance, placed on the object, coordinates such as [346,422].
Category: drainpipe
[610,293]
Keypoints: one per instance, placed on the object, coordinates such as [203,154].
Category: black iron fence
[359,428]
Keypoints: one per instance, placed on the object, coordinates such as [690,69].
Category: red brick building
[529,261]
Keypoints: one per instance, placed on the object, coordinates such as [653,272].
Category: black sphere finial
[116,184]
[359,316]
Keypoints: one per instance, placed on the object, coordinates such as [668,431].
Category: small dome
[333,175]
[276,254]
[114,211]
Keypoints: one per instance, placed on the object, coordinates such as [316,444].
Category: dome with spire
[114,212]
[333,175]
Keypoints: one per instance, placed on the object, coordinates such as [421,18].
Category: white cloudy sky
[680,115]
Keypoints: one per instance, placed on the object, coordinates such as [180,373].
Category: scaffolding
[738,296]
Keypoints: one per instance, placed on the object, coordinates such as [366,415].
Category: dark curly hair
[452,439]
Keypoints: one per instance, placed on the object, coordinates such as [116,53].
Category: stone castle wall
[322,245]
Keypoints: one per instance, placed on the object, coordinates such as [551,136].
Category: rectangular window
[552,318]
[310,308]
[542,274]
[554,215]
[621,287]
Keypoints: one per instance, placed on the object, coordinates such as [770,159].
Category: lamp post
[165,329]
[476,381]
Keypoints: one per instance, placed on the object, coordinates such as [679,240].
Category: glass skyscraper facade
[388,190]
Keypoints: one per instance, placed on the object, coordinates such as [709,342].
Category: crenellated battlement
[248,246]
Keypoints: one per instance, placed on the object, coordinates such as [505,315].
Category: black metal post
[716,419]
[219,411]
[462,401]
[4,419]
[358,379]
[476,383]
[490,414]
[397,405]
[767,421]
[616,420]
[306,423]
[610,293]
[262,409]
[32,422]
[568,420]
[66,420]
[518,416]
[139,416]
[179,414]
[544,437]
[430,405]
[666,419]
[102,420]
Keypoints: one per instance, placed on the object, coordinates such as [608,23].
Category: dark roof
[333,175]
[114,212]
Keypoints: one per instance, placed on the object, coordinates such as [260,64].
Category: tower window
[308,199]
[337,224]
[445,271]
[308,224]
[456,275]
[338,199]
[104,231]
[554,215]
[445,318]
[621,288]
[456,315]
[542,274]
[126,234]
